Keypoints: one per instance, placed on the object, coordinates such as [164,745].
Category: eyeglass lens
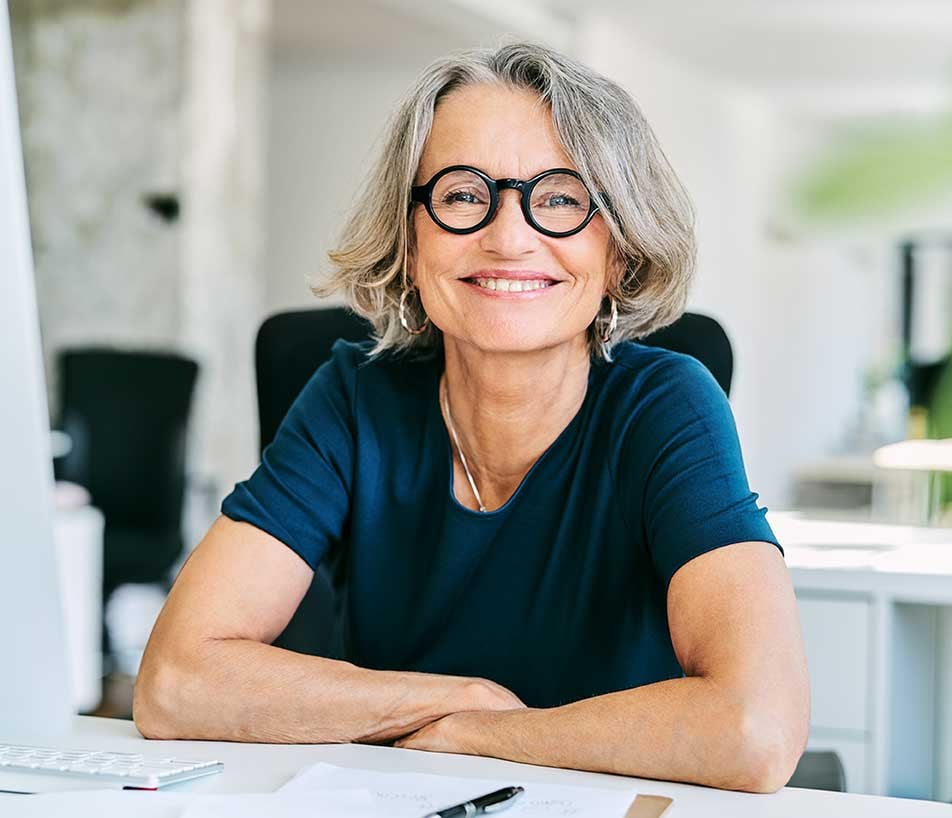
[558,202]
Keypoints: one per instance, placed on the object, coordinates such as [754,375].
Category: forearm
[242,690]
[690,729]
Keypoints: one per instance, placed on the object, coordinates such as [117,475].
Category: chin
[512,342]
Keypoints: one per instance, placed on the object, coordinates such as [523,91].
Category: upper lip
[514,275]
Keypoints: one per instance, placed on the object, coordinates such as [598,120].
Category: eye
[461,196]
[558,200]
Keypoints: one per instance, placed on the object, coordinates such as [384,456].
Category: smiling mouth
[512,285]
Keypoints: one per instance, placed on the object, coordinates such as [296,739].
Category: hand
[456,733]
[483,694]
[476,701]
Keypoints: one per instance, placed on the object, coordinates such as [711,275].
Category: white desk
[251,768]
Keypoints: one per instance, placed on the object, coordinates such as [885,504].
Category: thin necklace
[449,420]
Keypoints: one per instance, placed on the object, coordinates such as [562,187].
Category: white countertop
[907,563]
[255,768]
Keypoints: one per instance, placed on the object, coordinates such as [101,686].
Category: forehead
[505,132]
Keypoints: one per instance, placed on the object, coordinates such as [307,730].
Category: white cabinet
[876,606]
[836,631]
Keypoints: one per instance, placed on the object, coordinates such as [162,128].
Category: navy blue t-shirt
[558,595]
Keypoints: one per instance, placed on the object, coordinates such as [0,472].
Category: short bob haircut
[602,130]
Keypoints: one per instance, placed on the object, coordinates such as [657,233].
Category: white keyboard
[128,769]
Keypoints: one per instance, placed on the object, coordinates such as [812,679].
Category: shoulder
[637,357]
[355,360]
[333,384]
[654,398]
[385,384]
[350,355]
[645,374]
[359,355]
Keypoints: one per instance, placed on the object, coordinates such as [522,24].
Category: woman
[541,532]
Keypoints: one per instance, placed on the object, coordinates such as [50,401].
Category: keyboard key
[132,769]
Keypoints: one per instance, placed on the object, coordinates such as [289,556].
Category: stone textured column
[223,231]
[100,93]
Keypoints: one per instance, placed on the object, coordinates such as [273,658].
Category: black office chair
[819,770]
[290,346]
[701,337]
[127,414]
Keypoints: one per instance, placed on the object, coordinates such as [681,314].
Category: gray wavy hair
[602,130]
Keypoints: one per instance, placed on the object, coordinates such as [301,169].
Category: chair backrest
[127,414]
[701,337]
[819,770]
[290,346]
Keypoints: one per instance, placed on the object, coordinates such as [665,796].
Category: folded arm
[210,672]
[737,720]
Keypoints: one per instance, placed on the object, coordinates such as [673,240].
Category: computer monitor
[35,689]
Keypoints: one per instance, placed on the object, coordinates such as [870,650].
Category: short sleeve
[683,449]
[300,493]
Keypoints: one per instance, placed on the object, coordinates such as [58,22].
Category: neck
[508,408]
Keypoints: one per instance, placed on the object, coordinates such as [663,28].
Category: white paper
[413,795]
[328,791]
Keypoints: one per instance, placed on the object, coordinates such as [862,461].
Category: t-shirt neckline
[446,443]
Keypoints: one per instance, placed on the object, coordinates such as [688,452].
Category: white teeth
[512,285]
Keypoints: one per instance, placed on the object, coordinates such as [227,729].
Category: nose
[509,234]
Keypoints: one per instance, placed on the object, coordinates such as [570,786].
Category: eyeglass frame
[424,195]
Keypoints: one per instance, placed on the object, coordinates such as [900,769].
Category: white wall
[807,312]
[325,119]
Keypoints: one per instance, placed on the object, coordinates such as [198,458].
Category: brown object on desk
[648,806]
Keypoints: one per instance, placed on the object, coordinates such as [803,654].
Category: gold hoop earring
[403,318]
[612,322]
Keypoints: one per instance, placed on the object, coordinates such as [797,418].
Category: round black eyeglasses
[463,199]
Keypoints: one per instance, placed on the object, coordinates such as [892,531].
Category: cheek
[590,262]
[434,249]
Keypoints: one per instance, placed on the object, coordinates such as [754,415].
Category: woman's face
[503,133]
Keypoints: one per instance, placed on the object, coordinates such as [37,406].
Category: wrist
[431,696]
[488,732]
[394,703]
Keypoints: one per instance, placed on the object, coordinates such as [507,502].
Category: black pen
[500,799]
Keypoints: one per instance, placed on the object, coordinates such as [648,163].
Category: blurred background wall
[258,118]
[101,90]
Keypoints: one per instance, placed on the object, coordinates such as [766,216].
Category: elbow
[156,709]
[770,748]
